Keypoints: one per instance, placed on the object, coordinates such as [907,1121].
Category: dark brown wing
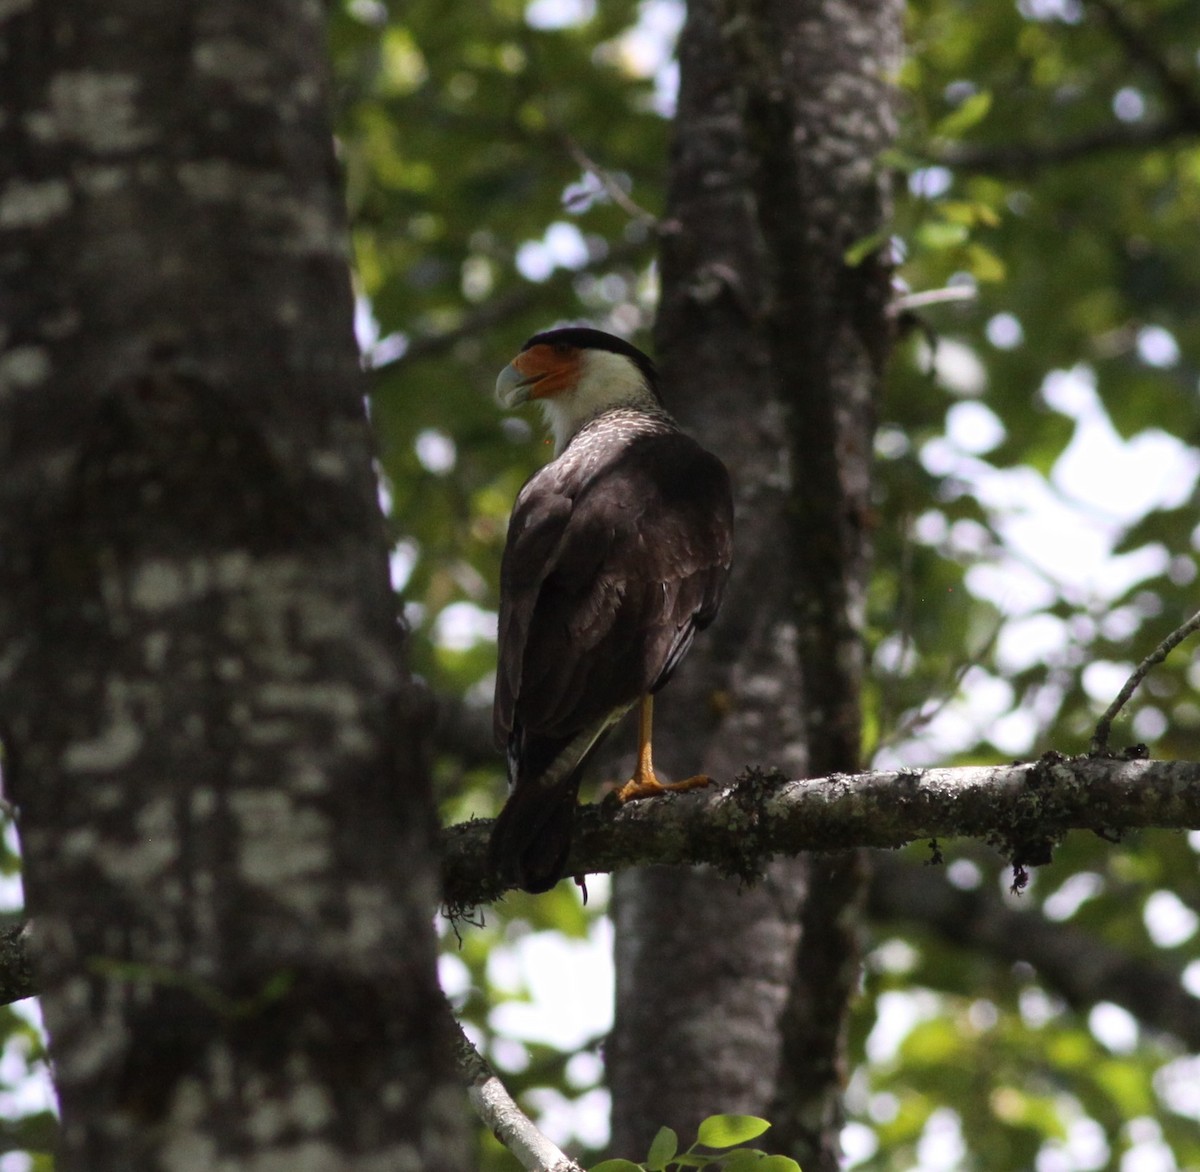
[605,581]
[535,534]
[610,568]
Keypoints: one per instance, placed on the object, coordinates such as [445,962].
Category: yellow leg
[644,784]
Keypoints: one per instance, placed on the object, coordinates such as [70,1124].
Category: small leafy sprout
[719,1133]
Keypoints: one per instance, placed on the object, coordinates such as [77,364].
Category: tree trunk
[208,732]
[773,348]
[703,967]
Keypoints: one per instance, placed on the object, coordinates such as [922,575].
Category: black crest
[586,338]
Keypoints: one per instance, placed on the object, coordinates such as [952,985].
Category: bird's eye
[562,348]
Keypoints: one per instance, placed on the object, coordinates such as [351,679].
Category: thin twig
[1176,86]
[1099,743]
[511,1126]
[917,720]
[614,190]
[503,309]
[907,302]
[1180,123]
[1019,159]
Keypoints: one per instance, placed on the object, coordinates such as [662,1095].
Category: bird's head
[575,374]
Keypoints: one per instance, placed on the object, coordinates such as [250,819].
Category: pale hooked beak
[512,387]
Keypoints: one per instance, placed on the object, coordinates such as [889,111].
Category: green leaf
[984,264]
[616,1166]
[662,1149]
[743,1160]
[972,111]
[777,1164]
[861,249]
[939,234]
[969,212]
[727,1131]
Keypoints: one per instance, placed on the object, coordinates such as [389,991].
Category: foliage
[717,1132]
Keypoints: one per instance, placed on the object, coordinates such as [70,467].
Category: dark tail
[532,837]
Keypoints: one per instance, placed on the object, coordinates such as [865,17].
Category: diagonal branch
[1177,636]
[501,1115]
[1179,124]
[503,309]
[1176,87]
[612,188]
[1076,964]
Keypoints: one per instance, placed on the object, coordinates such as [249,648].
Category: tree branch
[922,299]
[1176,86]
[1019,159]
[500,1113]
[612,188]
[1077,965]
[504,308]
[1100,737]
[736,828]
[1180,123]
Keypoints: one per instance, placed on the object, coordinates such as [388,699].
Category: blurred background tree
[1032,515]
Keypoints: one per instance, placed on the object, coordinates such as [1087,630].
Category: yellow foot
[651,787]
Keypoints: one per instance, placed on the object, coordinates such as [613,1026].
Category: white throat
[606,381]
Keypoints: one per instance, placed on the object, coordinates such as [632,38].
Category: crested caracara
[617,554]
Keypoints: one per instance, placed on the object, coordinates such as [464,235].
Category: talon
[644,783]
[651,787]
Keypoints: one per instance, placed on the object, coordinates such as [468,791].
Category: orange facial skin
[549,370]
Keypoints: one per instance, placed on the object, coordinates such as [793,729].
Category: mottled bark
[703,967]
[818,110]
[207,730]
[16,973]
[774,348]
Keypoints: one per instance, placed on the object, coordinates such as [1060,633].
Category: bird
[617,553]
